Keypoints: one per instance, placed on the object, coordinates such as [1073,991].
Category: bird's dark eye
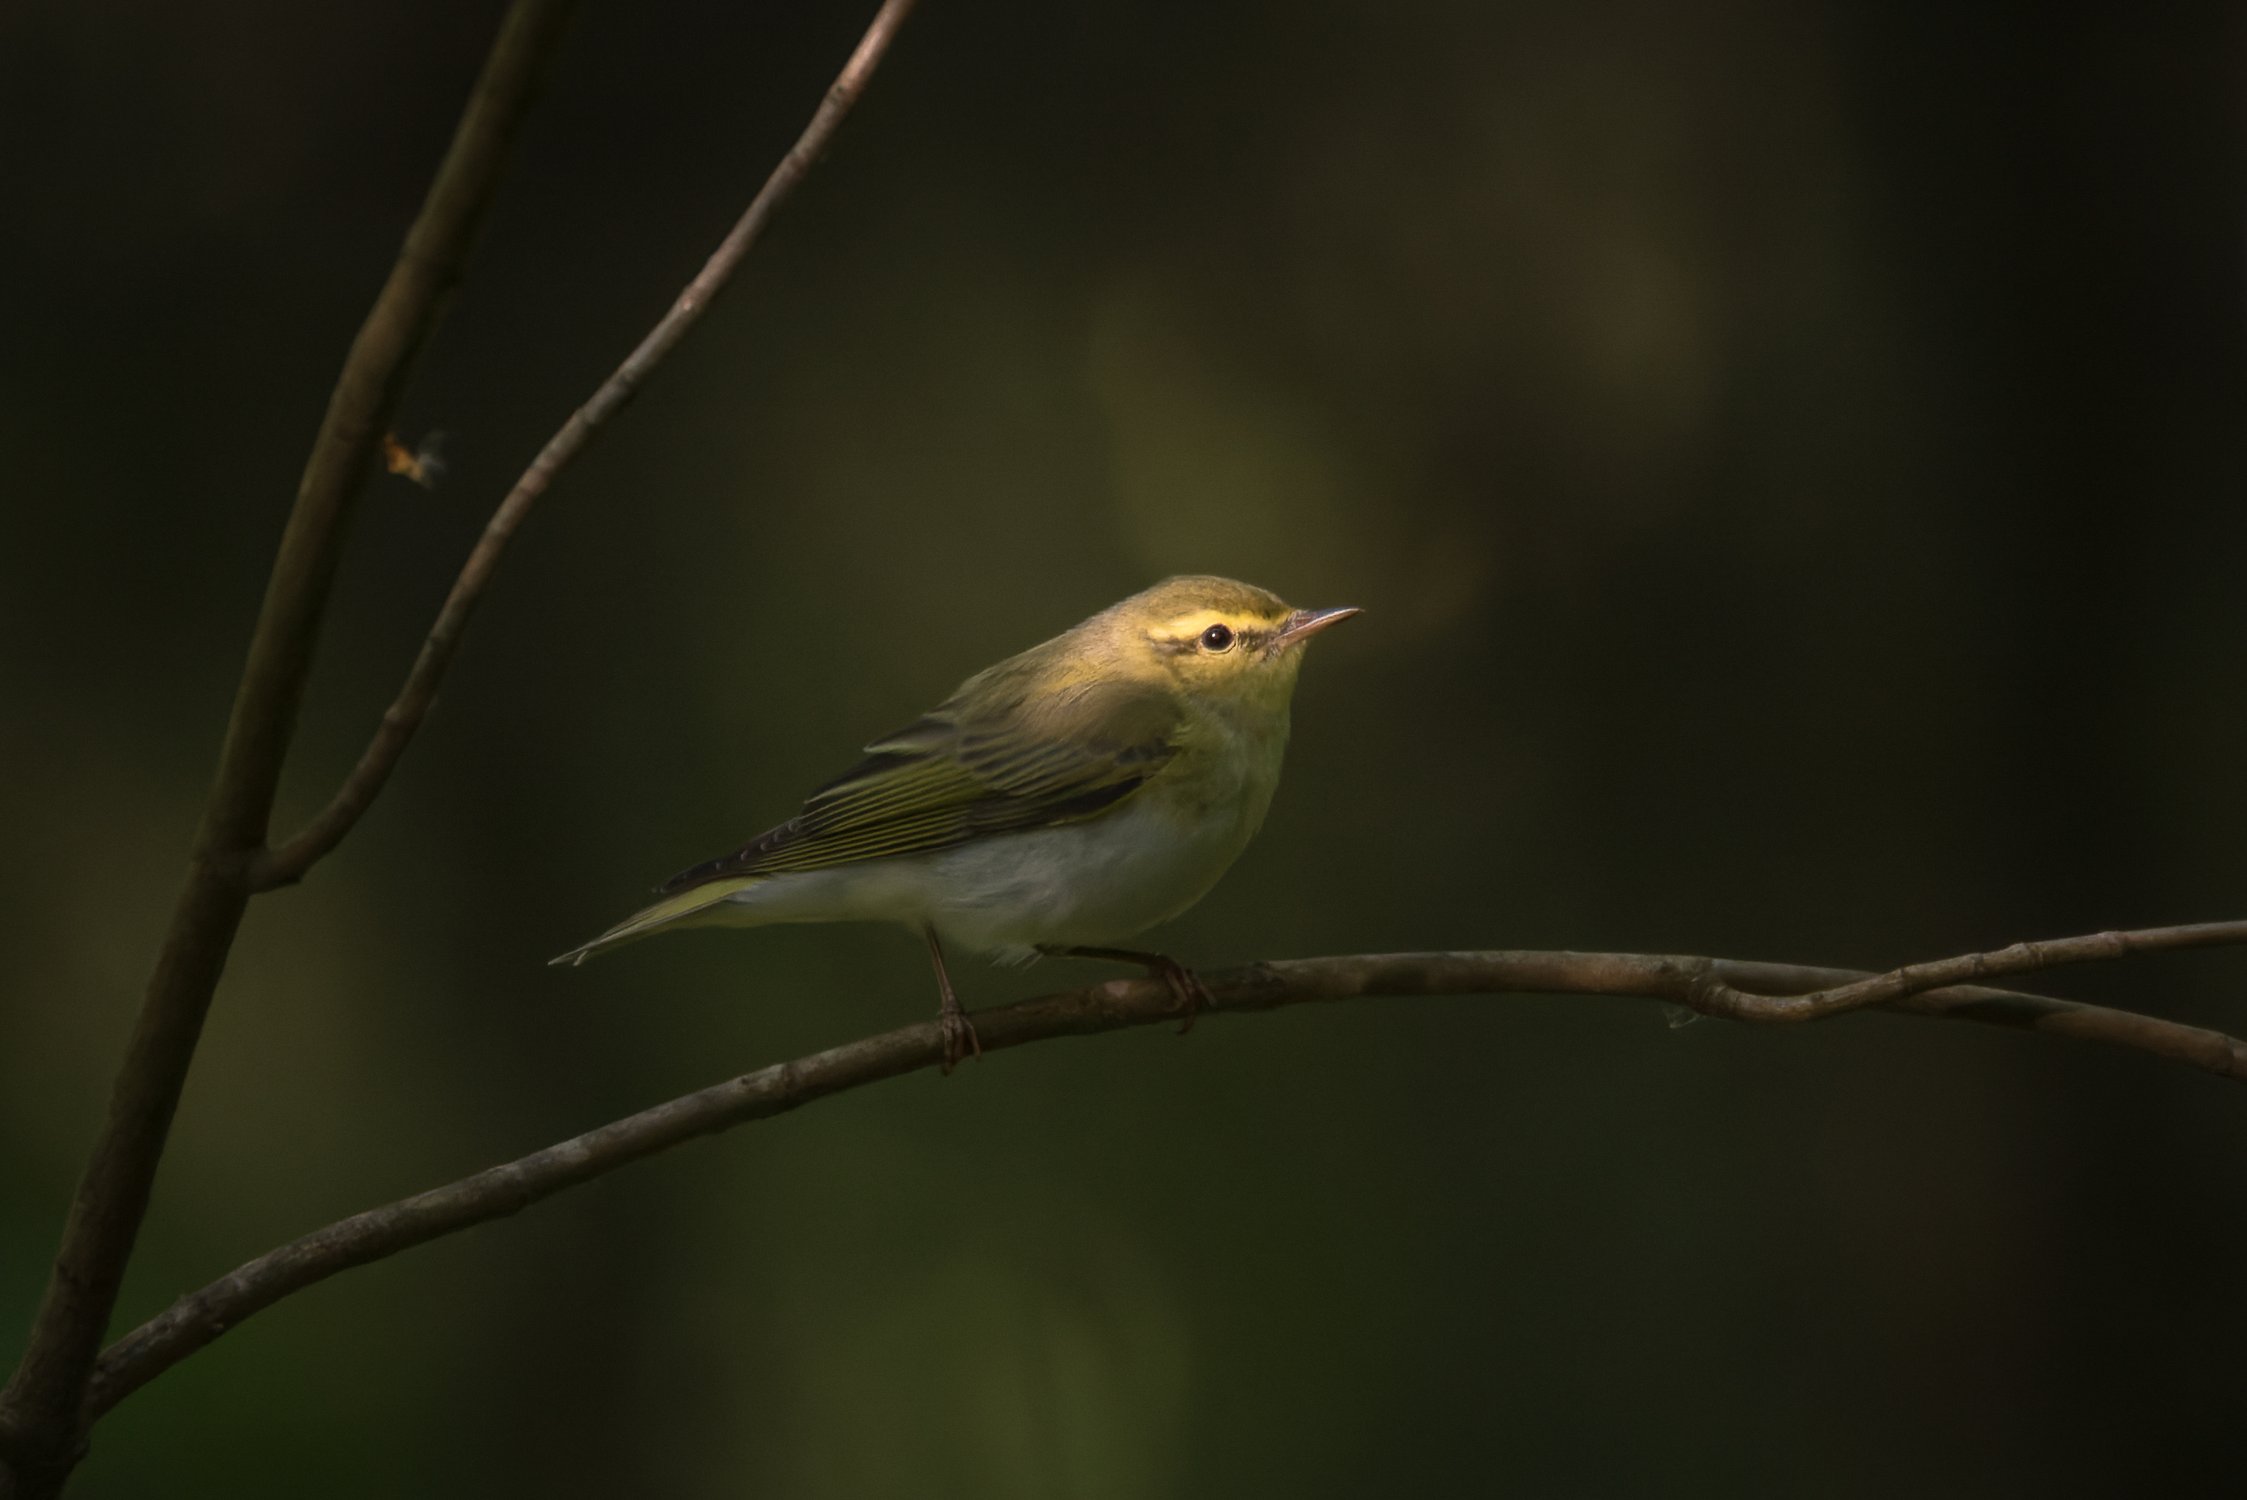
[1217,638]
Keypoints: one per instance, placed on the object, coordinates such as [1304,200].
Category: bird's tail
[702,901]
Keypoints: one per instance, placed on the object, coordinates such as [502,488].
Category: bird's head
[1219,640]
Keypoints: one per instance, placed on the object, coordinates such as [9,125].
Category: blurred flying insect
[424,465]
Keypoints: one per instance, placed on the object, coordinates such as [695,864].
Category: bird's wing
[1018,760]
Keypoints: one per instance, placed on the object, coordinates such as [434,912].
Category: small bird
[1056,804]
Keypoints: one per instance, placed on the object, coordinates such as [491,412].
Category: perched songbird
[1057,803]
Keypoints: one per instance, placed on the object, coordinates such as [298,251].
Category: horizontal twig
[289,861]
[1716,998]
[1739,990]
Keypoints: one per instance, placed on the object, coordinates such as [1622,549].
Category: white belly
[1097,882]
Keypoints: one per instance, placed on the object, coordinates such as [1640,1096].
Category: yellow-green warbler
[1057,803]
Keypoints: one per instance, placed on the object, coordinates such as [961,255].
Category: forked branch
[1718,999]
[42,1408]
[291,860]
[1741,991]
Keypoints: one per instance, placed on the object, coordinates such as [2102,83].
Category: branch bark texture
[41,1409]
[1739,990]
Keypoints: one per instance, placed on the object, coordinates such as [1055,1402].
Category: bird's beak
[1305,623]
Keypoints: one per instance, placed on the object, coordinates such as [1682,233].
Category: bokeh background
[1790,457]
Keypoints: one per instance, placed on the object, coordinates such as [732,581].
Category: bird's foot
[960,1040]
[1184,984]
[957,1030]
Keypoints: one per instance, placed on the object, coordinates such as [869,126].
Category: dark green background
[1790,459]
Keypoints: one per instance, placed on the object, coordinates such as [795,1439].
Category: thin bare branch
[197,1319]
[42,1409]
[403,718]
[1716,998]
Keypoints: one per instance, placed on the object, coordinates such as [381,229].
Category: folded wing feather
[1016,762]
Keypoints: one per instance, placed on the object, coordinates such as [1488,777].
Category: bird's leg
[960,1039]
[1184,983]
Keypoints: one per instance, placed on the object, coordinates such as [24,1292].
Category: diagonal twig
[41,1410]
[327,828]
[201,1317]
